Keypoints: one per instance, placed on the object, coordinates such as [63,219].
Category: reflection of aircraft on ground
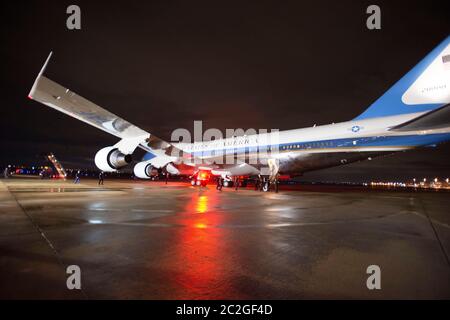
[413,113]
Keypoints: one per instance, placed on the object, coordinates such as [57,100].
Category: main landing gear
[266,184]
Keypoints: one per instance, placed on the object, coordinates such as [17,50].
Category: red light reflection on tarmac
[200,250]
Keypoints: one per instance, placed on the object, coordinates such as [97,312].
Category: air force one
[413,113]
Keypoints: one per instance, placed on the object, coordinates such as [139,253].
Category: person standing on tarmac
[219,183]
[258,182]
[101,177]
[77,177]
[236,182]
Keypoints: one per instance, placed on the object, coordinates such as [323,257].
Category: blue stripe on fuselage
[377,141]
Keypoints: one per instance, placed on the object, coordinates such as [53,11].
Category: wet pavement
[148,240]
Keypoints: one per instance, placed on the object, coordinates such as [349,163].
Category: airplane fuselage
[319,147]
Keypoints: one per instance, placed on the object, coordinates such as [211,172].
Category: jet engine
[110,159]
[143,170]
[170,168]
[146,169]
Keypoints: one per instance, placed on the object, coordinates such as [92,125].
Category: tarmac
[149,240]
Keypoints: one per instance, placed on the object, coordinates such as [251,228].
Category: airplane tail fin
[424,88]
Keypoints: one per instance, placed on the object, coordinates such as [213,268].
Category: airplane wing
[66,101]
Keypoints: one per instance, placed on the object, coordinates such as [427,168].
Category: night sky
[162,65]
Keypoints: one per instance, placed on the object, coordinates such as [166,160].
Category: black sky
[162,65]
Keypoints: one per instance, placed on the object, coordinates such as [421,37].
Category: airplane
[413,113]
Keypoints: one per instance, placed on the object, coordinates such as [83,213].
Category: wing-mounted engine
[146,169]
[110,159]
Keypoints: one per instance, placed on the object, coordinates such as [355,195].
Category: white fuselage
[294,148]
